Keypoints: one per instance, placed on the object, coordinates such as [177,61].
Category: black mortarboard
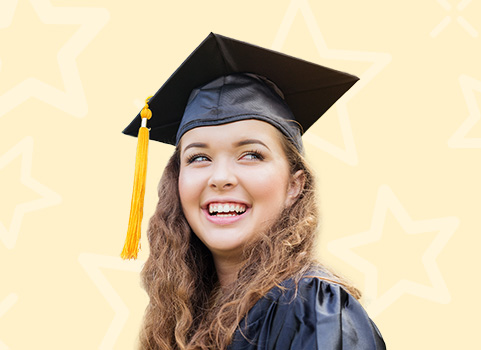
[309,89]
[208,84]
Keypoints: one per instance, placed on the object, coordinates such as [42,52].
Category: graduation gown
[315,315]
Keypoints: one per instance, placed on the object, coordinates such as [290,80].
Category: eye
[252,155]
[197,158]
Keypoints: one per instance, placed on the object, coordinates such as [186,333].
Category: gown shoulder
[312,314]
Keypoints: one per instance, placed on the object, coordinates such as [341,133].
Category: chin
[223,246]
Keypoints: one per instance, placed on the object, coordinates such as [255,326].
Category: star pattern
[448,19]
[72,100]
[378,60]
[387,201]
[413,43]
[24,149]
[469,86]
[92,264]
[5,305]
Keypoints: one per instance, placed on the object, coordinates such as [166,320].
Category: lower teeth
[226,214]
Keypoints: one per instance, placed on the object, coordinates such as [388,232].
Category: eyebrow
[237,144]
[250,142]
[195,145]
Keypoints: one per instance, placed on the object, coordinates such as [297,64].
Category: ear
[296,185]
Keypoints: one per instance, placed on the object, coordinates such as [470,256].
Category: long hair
[188,309]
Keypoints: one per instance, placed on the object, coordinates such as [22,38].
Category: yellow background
[398,158]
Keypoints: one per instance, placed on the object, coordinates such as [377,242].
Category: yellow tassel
[132,242]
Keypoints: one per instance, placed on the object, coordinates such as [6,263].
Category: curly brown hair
[188,309]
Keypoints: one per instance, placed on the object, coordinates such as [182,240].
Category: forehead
[229,133]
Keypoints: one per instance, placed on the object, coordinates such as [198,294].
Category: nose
[223,176]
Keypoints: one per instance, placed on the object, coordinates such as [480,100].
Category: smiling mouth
[226,209]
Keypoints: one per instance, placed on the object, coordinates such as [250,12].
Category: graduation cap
[222,81]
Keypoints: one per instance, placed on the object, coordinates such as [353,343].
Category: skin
[241,163]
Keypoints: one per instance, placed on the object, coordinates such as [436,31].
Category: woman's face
[234,182]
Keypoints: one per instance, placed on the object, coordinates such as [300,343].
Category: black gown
[318,315]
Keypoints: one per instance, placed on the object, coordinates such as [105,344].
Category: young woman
[231,262]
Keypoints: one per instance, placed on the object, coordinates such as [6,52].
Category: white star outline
[6,305]
[92,263]
[460,19]
[49,198]
[379,60]
[73,100]
[459,140]
[386,200]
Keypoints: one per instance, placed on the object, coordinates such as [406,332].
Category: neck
[226,269]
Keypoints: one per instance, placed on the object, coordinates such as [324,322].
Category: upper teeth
[226,207]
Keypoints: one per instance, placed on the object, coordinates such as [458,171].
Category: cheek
[188,188]
[270,188]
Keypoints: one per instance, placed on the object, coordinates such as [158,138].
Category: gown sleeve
[315,315]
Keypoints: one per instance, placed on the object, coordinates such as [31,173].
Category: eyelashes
[251,155]
[197,158]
